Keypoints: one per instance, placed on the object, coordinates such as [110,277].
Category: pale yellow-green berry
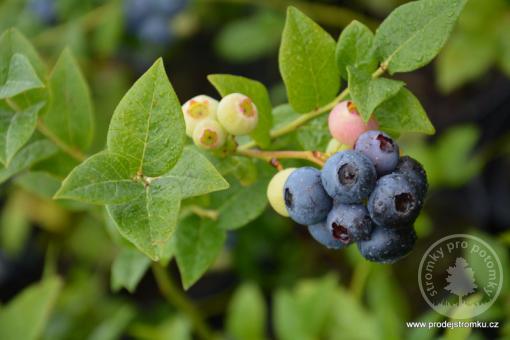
[238,114]
[275,191]
[209,134]
[197,109]
[335,146]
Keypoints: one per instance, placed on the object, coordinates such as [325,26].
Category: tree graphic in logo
[461,279]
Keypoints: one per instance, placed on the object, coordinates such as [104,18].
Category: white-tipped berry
[209,134]
[275,191]
[238,114]
[197,109]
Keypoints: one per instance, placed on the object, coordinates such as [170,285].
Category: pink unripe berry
[209,134]
[345,123]
[238,114]
[197,109]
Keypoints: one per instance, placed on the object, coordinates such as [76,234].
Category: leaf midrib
[411,37]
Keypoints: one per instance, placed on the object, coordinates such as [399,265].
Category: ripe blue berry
[415,174]
[156,30]
[322,234]
[306,201]
[349,223]
[380,148]
[45,10]
[394,201]
[387,245]
[348,176]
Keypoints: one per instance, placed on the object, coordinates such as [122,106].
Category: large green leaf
[21,77]
[412,35]
[355,48]
[15,130]
[403,113]
[25,317]
[148,125]
[246,319]
[128,269]
[70,113]
[307,63]
[198,243]
[247,39]
[226,84]
[149,220]
[28,156]
[368,93]
[194,175]
[105,178]
[465,58]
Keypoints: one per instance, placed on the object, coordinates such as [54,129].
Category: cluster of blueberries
[149,20]
[368,195]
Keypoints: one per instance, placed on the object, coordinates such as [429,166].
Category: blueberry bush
[163,183]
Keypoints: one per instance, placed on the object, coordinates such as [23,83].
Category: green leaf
[15,224]
[13,42]
[240,204]
[128,269]
[21,77]
[355,48]
[104,178]
[246,319]
[248,39]
[412,35]
[148,125]
[113,326]
[314,135]
[307,63]
[15,130]
[70,113]
[403,113]
[226,84]
[26,315]
[465,58]
[347,314]
[305,313]
[149,220]
[194,175]
[198,243]
[28,156]
[368,93]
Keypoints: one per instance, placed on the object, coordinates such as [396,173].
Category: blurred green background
[271,280]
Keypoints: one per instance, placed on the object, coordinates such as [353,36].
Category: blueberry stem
[177,298]
[312,156]
[359,278]
[304,118]
[199,211]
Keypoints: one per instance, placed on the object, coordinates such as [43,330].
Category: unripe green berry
[275,191]
[196,110]
[238,114]
[335,146]
[209,134]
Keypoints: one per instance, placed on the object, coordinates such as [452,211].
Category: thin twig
[312,156]
[175,297]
